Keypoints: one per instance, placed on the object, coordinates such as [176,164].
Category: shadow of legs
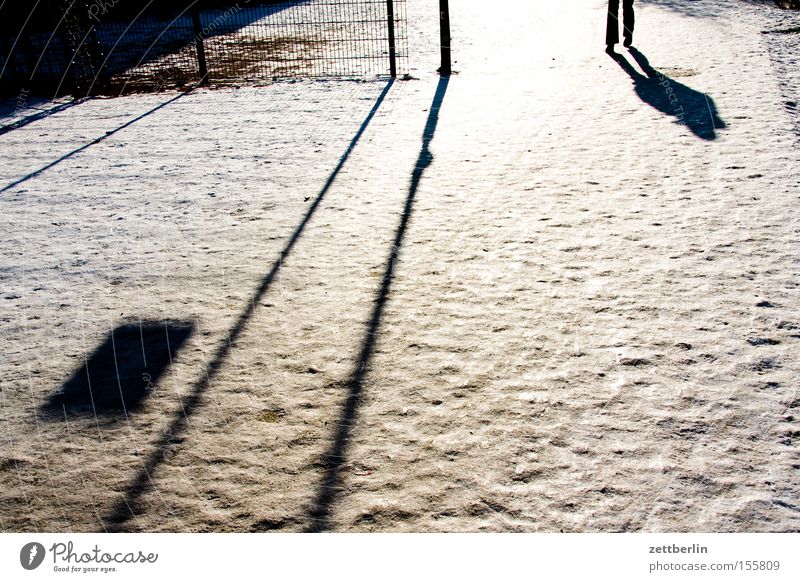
[694,109]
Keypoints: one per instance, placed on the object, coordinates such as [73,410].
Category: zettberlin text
[674,549]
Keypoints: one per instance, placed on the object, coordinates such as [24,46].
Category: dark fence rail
[88,46]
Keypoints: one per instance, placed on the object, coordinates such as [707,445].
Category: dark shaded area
[16,13]
[74,152]
[337,454]
[123,371]
[84,47]
[56,47]
[691,108]
[129,504]
[126,42]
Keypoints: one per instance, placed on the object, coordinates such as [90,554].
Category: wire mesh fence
[90,46]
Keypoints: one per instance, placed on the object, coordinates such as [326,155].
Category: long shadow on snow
[40,113]
[96,141]
[128,506]
[336,455]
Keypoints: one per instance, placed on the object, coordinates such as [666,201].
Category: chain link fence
[91,46]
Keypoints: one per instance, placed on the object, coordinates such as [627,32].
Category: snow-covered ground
[526,299]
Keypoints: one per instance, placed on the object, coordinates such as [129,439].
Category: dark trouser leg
[612,24]
[627,19]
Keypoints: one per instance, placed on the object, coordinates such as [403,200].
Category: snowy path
[573,312]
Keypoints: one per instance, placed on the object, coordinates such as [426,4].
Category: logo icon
[32,555]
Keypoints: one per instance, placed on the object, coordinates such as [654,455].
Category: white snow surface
[591,315]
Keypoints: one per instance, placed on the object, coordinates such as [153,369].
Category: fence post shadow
[127,507]
[41,114]
[336,455]
[85,147]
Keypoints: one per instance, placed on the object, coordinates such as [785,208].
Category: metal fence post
[201,49]
[444,32]
[392,46]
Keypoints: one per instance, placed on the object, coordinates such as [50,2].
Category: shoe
[628,42]
[610,49]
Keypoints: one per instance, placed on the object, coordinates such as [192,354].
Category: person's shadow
[691,108]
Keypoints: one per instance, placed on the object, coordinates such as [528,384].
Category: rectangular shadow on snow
[119,375]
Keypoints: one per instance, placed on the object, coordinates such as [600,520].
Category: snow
[590,313]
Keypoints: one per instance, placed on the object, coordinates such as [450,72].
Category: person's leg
[627,21]
[612,24]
